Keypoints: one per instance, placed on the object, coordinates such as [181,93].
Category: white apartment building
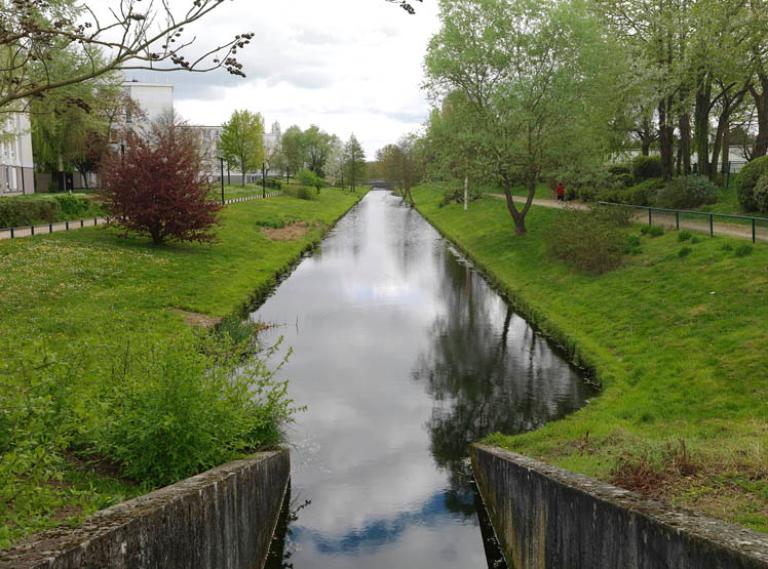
[17,165]
[154,100]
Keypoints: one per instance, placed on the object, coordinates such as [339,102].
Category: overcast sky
[345,65]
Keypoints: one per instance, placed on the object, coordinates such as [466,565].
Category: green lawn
[88,295]
[677,343]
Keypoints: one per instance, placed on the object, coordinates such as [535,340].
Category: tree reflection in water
[488,371]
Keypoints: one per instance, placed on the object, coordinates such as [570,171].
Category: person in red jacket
[560,191]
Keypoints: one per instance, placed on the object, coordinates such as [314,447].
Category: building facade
[154,100]
[17,165]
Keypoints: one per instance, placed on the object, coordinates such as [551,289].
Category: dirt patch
[291,232]
[198,320]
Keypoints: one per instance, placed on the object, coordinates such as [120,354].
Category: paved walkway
[62,226]
[665,220]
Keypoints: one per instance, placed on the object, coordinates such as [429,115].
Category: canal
[403,355]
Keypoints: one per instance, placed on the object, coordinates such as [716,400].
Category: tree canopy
[242,141]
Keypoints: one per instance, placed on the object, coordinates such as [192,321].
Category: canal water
[403,355]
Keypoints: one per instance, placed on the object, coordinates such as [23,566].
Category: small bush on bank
[300,192]
[592,242]
[744,250]
[684,235]
[652,230]
[310,180]
[687,193]
[157,413]
[747,180]
[634,245]
[174,413]
[684,252]
[274,184]
[646,167]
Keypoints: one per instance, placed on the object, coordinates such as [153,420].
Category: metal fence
[727,225]
[62,226]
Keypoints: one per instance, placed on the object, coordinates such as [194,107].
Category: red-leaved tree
[157,185]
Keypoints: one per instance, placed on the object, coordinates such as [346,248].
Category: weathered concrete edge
[124,528]
[745,547]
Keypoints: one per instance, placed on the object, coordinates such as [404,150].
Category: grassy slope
[91,291]
[678,344]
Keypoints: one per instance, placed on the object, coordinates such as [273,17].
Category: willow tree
[520,65]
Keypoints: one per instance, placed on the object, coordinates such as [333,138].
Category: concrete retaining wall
[223,519]
[547,518]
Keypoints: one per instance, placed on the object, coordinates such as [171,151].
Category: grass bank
[677,341]
[83,313]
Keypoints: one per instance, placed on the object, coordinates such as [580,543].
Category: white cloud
[345,65]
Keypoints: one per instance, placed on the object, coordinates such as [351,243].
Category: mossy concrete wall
[223,519]
[547,518]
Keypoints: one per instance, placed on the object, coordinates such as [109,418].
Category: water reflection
[404,355]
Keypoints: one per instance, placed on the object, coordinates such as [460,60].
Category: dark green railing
[710,217]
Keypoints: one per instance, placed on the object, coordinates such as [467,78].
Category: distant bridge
[380,184]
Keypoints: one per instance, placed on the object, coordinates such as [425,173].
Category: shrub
[646,167]
[684,252]
[310,180]
[299,192]
[761,194]
[684,235]
[687,192]
[748,179]
[73,206]
[743,250]
[727,247]
[640,194]
[18,211]
[172,412]
[588,241]
[634,245]
[587,194]
[158,188]
[618,170]
[652,230]
[274,184]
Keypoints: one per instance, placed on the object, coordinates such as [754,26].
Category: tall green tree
[242,141]
[529,73]
[355,165]
[293,153]
[317,149]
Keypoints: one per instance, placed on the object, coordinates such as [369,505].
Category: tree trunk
[703,106]
[466,193]
[684,147]
[721,141]
[761,102]
[646,150]
[517,215]
[666,139]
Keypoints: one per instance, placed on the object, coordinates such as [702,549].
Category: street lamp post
[222,179]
